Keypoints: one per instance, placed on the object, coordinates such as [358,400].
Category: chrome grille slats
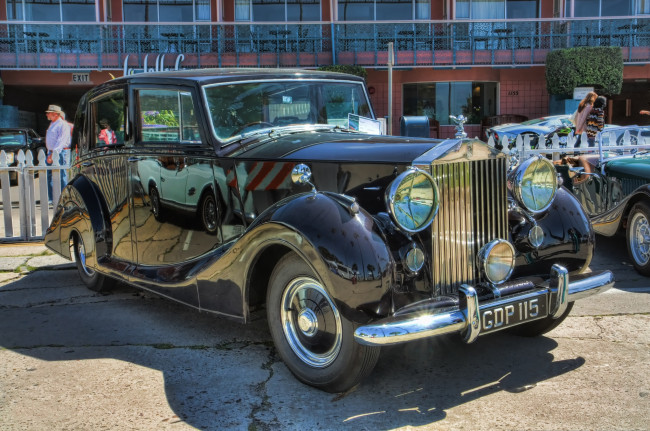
[473,211]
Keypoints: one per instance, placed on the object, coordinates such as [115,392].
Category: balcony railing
[66,46]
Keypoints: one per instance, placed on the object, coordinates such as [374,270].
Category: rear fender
[80,211]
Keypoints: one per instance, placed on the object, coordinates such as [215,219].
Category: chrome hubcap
[311,322]
[307,322]
[640,239]
[82,258]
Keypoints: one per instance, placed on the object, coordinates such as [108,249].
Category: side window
[167,116]
[107,120]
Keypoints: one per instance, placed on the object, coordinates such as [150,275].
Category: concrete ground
[71,359]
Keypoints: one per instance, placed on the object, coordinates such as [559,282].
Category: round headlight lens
[10,157]
[497,260]
[412,200]
[535,184]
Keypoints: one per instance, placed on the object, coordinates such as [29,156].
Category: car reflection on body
[348,241]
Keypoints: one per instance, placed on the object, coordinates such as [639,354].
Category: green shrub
[346,68]
[597,66]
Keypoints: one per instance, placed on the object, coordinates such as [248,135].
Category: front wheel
[91,278]
[314,340]
[638,238]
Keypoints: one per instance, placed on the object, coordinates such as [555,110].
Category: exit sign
[81,78]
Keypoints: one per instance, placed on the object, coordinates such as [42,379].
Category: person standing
[584,108]
[57,139]
[596,120]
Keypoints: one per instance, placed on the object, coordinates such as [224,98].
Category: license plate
[513,313]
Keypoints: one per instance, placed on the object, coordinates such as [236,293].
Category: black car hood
[336,147]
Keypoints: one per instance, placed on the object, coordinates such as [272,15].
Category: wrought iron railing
[37,45]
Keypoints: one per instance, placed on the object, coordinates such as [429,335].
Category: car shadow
[218,373]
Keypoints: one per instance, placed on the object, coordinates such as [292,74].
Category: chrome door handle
[134,159]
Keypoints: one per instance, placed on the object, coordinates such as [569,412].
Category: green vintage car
[613,185]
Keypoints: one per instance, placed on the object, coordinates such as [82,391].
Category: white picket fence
[26,213]
[610,142]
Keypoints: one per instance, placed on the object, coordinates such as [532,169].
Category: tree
[597,66]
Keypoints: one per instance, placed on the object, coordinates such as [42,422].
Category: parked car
[349,241]
[544,126]
[613,187]
[15,139]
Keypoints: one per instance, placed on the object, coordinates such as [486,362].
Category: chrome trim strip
[416,326]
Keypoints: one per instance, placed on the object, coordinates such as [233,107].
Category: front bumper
[466,320]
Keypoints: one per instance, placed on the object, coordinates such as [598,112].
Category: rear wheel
[638,238]
[314,340]
[541,326]
[208,213]
[91,278]
[155,202]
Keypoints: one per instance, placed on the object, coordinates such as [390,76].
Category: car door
[105,165]
[169,150]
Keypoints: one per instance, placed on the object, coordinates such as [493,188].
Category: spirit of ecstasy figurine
[460,130]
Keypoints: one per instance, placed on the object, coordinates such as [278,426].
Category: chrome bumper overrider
[466,319]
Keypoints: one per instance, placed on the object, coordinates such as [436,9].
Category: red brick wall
[521,91]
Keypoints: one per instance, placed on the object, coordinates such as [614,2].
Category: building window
[52,10]
[439,100]
[383,10]
[497,9]
[277,10]
[166,10]
[589,8]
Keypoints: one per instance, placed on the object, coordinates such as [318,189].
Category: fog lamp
[414,259]
[497,260]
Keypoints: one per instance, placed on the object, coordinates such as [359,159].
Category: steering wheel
[254,123]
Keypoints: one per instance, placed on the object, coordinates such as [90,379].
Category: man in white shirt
[57,139]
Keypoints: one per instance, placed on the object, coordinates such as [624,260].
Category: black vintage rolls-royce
[240,190]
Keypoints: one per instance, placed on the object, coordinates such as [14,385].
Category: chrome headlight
[412,200]
[496,260]
[534,184]
[10,157]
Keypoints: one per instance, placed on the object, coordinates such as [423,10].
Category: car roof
[208,76]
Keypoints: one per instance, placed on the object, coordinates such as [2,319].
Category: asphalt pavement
[71,359]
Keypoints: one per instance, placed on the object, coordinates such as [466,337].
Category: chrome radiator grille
[473,211]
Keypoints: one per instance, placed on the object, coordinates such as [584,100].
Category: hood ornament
[460,129]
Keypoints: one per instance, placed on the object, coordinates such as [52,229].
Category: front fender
[79,210]
[568,239]
[350,252]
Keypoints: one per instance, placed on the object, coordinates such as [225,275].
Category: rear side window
[167,116]
[107,120]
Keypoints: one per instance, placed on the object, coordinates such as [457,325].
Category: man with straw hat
[57,139]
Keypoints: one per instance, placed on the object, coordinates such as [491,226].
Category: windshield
[239,108]
[12,138]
